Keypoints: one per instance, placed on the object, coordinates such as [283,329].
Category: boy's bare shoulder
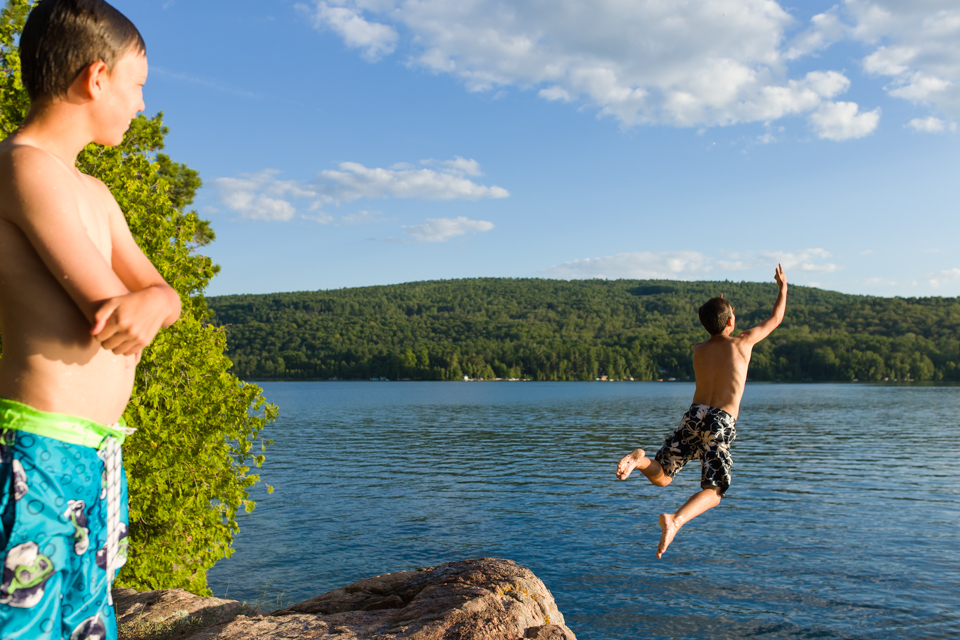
[24,167]
[31,178]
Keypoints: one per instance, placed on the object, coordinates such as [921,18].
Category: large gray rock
[485,599]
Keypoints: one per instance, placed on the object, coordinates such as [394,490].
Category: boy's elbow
[176,307]
[175,312]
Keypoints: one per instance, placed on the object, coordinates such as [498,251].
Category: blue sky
[347,143]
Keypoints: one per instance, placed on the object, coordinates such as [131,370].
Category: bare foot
[669,526]
[628,463]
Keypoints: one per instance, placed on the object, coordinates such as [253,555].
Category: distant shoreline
[533,329]
[898,383]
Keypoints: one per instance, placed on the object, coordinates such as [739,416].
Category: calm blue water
[843,520]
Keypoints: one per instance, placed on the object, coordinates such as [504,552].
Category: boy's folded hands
[127,324]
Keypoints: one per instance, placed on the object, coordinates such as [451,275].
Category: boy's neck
[61,129]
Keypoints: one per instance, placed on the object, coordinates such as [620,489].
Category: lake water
[843,520]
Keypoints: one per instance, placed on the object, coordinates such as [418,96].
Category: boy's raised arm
[762,330]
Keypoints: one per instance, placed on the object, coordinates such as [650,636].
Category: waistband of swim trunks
[698,404]
[59,426]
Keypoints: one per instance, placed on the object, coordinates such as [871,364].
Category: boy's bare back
[720,363]
[78,299]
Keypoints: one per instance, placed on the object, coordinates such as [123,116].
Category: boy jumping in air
[708,428]
[79,301]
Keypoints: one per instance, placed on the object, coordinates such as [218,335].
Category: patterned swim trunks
[705,433]
[55,522]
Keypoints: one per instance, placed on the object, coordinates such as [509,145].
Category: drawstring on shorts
[112,455]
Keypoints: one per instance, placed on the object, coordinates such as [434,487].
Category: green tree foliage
[581,330]
[189,463]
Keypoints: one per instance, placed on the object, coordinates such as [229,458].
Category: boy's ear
[88,85]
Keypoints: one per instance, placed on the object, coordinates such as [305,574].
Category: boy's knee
[714,489]
[661,480]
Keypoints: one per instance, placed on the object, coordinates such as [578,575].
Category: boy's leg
[42,538]
[91,616]
[698,503]
[637,459]
[676,452]
[715,430]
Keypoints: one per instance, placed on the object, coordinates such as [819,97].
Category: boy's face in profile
[122,97]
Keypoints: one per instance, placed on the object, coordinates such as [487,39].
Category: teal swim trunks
[63,524]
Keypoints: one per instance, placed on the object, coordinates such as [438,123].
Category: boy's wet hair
[714,315]
[62,37]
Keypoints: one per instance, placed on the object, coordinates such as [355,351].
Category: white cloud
[824,30]
[914,44]
[843,121]
[375,39]
[693,63]
[262,196]
[943,277]
[361,217]
[807,261]
[354,181]
[443,229]
[639,265]
[459,165]
[686,265]
[931,125]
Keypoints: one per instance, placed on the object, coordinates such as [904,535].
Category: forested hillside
[578,330]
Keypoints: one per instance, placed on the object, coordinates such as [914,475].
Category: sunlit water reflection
[842,520]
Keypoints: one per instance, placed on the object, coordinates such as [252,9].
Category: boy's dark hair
[62,37]
[714,315]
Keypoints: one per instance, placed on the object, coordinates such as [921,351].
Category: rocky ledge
[485,599]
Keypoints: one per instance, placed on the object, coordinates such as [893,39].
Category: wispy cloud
[443,229]
[943,277]
[361,217]
[448,182]
[932,125]
[209,83]
[687,265]
[637,264]
[261,196]
[807,261]
[264,196]
[374,39]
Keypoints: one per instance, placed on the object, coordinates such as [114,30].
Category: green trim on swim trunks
[59,426]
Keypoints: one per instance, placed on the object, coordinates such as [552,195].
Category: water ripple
[841,522]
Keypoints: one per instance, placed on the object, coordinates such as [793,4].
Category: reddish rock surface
[169,606]
[485,599]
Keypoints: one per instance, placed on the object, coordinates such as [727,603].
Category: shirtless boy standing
[78,303]
[708,428]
